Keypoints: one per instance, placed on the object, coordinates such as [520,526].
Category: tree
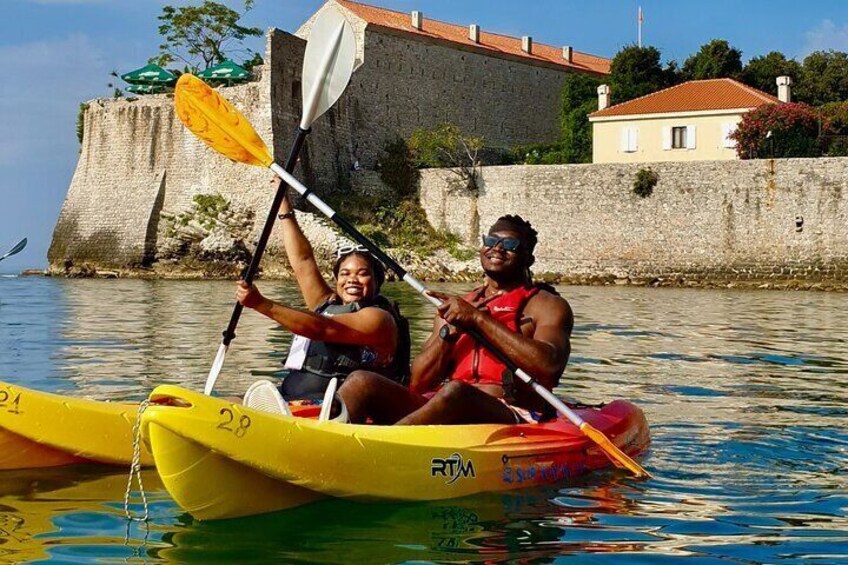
[716,59]
[578,99]
[398,169]
[446,146]
[201,35]
[762,72]
[636,71]
[778,130]
[824,78]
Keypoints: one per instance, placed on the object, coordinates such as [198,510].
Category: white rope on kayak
[135,469]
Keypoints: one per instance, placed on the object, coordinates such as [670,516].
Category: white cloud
[825,37]
[46,82]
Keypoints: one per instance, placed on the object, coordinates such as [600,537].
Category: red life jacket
[475,365]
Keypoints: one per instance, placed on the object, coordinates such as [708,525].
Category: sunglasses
[348,249]
[508,243]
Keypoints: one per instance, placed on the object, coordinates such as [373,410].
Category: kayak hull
[386,463]
[40,429]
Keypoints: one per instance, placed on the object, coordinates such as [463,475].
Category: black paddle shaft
[230,332]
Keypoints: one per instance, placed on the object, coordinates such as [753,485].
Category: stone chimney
[603,96]
[474,33]
[417,19]
[568,54]
[784,89]
[527,44]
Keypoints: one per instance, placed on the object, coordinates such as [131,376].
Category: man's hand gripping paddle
[327,66]
[235,138]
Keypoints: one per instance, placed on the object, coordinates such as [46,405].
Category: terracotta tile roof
[692,96]
[491,42]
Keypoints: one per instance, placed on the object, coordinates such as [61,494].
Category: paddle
[327,67]
[232,129]
[17,248]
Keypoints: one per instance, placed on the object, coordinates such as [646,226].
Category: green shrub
[645,181]
[397,168]
[81,121]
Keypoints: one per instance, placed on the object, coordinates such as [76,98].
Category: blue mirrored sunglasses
[508,243]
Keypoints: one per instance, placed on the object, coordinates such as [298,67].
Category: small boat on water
[222,460]
[41,429]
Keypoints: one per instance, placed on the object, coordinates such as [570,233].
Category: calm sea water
[746,394]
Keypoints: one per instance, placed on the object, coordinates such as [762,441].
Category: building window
[678,138]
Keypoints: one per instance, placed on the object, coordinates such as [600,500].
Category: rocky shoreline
[440,271]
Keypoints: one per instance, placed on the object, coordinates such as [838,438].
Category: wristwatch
[285,215]
[446,334]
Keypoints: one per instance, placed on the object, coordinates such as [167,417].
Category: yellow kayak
[40,429]
[221,460]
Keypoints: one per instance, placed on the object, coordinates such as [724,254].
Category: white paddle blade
[327,64]
[18,247]
[215,370]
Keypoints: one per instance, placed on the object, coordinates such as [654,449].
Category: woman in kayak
[346,327]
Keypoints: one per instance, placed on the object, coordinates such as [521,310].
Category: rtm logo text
[452,468]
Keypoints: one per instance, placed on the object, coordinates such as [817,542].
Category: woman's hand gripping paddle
[17,248]
[243,145]
[327,66]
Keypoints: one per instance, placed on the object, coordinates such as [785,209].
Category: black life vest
[329,360]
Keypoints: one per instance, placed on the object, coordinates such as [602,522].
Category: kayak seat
[331,400]
[263,395]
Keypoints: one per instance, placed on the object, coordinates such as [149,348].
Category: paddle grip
[230,332]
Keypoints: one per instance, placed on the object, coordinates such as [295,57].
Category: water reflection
[745,393]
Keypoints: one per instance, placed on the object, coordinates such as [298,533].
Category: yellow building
[691,121]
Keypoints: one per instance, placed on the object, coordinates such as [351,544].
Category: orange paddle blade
[213,119]
[617,456]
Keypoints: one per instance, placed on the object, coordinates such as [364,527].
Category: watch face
[446,335]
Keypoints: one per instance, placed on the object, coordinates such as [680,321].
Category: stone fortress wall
[729,219]
[716,220]
[138,160]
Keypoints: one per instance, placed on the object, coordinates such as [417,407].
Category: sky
[55,54]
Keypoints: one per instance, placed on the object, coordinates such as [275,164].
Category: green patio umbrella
[150,74]
[148,88]
[227,72]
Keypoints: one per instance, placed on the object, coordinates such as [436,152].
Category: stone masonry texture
[735,220]
[720,220]
[137,160]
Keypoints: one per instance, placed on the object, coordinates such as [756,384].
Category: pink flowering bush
[794,132]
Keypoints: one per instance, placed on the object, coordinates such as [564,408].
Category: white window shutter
[690,137]
[633,139]
[666,138]
[624,145]
[727,128]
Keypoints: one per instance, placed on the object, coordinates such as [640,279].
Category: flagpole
[639,27]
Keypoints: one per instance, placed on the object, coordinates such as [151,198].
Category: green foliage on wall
[397,168]
[645,181]
[81,121]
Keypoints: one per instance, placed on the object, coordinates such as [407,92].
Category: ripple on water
[747,409]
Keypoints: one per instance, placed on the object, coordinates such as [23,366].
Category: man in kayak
[454,380]
[348,327]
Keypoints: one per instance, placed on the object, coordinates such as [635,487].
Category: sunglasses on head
[508,243]
[348,249]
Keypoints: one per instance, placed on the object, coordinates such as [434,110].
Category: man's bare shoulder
[546,305]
